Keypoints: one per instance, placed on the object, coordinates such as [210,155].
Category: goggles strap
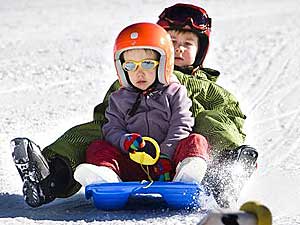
[186,16]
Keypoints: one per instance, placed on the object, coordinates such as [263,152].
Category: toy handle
[142,157]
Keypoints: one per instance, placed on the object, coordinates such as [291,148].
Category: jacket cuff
[167,150]
[121,144]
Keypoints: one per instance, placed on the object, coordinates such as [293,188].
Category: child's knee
[195,145]
[199,145]
[199,140]
[99,150]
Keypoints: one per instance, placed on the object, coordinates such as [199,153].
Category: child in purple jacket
[150,103]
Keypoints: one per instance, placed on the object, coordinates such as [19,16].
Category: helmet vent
[134,35]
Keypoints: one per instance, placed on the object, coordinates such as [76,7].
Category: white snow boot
[191,169]
[87,174]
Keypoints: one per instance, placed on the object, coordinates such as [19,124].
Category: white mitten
[191,169]
[87,174]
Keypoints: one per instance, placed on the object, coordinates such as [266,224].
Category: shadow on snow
[73,209]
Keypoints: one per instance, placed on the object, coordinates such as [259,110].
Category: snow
[56,65]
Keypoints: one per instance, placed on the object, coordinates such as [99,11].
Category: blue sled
[174,195]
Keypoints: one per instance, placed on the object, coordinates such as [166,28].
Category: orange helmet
[146,36]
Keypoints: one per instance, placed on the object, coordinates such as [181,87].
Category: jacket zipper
[147,121]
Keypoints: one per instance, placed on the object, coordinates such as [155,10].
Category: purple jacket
[162,114]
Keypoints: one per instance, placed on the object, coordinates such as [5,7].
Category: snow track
[56,65]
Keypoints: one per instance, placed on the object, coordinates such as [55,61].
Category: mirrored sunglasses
[145,64]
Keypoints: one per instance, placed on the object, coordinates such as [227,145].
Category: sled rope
[147,172]
[148,185]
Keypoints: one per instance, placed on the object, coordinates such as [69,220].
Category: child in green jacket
[217,114]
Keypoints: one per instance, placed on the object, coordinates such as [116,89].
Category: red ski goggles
[185,14]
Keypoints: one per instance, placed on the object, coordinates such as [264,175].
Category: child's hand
[133,142]
[164,168]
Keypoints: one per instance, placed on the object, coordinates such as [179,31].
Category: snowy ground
[56,65]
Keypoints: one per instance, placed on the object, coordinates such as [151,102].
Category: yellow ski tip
[263,213]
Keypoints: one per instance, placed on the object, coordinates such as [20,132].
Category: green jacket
[217,114]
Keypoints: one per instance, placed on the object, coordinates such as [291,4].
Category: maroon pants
[102,153]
